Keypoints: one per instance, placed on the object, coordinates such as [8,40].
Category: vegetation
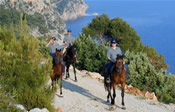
[91,56]
[20,71]
[147,68]
[102,26]
[7,103]
[144,76]
[12,16]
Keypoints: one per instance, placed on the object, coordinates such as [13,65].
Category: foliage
[91,56]
[12,16]
[127,37]
[98,27]
[7,103]
[144,76]
[20,71]
[42,46]
[124,34]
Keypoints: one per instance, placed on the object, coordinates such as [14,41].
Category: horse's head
[58,56]
[119,63]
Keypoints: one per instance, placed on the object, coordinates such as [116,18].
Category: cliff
[54,13]
[71,10]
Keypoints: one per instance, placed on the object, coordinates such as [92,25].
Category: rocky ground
[89,95]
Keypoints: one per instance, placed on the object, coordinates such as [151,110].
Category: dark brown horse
[70,59]
[118,76]
[57,69]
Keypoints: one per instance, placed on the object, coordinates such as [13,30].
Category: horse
[57,69]
[70,58]
[118,76]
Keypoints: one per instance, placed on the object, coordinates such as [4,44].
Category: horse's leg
[109,94]
[122,94]
[114,94]
[67,71]
[74,72]
[60,84]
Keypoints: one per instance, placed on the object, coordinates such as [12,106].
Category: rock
[102,78]
[35,110]
[84,72]
[39,110]
[19,106]
[148,95]
[155,98]
[172,104]
[95,75]
[133,90]
[59,110]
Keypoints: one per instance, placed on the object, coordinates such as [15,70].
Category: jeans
[52,55]
[107,70]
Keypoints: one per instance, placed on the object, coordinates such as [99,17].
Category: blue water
[152,20]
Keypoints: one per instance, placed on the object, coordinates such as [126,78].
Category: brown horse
[57,69]
[118,76]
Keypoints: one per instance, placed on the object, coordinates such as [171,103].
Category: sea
[153,20]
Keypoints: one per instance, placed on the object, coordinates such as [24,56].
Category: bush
[7,103]
[20,71]
[91,56]
[144,76]
[117,28]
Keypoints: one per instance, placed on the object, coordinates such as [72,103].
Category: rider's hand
[50,41]
[123,62]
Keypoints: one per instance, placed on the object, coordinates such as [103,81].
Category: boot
[108,79]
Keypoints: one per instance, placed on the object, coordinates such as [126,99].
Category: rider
[68,41]
[52,45]
[112,55]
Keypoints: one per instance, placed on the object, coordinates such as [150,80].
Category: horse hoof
[123,107]
[107,100]
[112,103]
[76,80]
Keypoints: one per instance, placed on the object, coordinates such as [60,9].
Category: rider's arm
[109,55]
[65,40]
[109,59]
[47,45]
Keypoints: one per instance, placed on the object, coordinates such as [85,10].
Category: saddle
[112,68]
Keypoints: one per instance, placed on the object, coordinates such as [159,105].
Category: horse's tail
[106,85]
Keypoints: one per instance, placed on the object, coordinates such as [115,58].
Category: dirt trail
[88,95]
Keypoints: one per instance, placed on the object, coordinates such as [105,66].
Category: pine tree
[91,56]
[20,70]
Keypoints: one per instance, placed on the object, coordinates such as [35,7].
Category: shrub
[144,76]
[20,71]
[91,56]
[117,28]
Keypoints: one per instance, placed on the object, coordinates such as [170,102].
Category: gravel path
[89,95]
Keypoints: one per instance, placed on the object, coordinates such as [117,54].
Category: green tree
[127,37]
[91,56]
[124,34]
[20,71]
[98,27]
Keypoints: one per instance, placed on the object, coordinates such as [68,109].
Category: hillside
[53,13]
[88,95]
